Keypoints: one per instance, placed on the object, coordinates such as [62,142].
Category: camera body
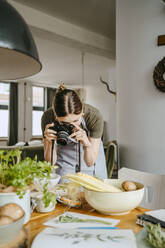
[63,131]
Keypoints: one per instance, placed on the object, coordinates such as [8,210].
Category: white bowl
[40,206]
[115,203]
[10,231]
[53,181]
[24,202]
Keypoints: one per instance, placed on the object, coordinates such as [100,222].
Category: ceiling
[95,15]
[63,63]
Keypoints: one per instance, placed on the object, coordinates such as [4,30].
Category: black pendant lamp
[18,53]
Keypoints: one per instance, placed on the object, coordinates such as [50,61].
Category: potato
[2,186]
[12,210]
[129,186]
[4,220]
[9,189]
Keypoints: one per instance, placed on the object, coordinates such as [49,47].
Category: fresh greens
[155,236]
[10,156]
[48,197]
[21,173]
[70,218]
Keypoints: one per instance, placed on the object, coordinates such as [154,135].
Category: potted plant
[45,200]
[17,177]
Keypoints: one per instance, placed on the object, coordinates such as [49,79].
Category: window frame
[5,107]
[2,106]
[37,108]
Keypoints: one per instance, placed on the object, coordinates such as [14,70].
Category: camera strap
[52,149]
[78,165]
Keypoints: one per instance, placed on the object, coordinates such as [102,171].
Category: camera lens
[62,138]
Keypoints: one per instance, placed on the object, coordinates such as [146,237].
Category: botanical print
[96,238]
[68,218]
[75,220]
[78,237]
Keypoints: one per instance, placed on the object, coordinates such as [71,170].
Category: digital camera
[63,131]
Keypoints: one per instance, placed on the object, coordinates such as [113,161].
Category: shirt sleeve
[94,121]
[97,127]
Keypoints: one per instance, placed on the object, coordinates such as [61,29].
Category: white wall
[140,106]
[98,95]
[101,99]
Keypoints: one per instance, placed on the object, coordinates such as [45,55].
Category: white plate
[70,238]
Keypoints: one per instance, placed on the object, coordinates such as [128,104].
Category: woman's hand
[49,133]
[91,145]
[79,134]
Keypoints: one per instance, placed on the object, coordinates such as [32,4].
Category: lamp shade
[18,53]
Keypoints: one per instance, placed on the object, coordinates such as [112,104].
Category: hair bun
[61,87]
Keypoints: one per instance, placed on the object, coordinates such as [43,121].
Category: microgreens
[21,173]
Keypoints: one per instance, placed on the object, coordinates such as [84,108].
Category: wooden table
[35,225]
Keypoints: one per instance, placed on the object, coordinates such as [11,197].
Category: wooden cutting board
[20,241]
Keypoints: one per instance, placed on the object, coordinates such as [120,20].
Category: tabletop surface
[127,221]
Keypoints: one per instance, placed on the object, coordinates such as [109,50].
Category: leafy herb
[10,157]
[21,174]
[155,236]
[70,218]
[48,197]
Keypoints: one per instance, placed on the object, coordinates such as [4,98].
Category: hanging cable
[83,73]
[78,158]
[52,150]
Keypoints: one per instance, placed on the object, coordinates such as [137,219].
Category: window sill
[3,139]
[36,138]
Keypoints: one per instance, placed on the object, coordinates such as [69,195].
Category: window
[38,109]
[4,108]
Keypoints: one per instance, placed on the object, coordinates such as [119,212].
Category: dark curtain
[50,95]
[13,114]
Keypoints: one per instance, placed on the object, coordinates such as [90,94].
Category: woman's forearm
[91,149]
[89,156]
[47,151]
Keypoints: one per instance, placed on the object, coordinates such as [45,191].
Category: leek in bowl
[115,203]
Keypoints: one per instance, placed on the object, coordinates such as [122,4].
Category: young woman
[87,130]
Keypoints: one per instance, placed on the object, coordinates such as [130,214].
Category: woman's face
[70,119]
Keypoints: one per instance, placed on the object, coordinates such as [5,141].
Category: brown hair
[66,102]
